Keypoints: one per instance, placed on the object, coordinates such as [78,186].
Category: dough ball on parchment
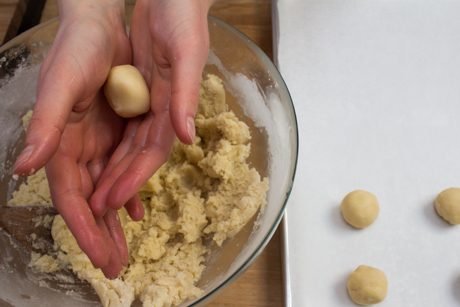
[126,91]
[447,205]
[360,208]
[367,285]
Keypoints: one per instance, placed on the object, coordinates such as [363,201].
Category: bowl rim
[212,294]
[258,250]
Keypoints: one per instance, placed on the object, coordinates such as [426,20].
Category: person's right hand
[170,43]
[74,131]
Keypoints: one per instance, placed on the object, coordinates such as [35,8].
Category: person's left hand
[74,131]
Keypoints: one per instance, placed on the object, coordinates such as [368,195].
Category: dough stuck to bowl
[367,285]
[360,208]
[447,205]
[126,91]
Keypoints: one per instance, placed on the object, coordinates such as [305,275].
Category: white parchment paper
[376,87]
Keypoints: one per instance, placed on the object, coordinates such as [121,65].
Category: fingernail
[23,157]
[191,129]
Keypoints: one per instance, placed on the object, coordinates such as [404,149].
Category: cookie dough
[447,205]
[367,285]
[360,208]
[204,188]
[35,192]
[126,91]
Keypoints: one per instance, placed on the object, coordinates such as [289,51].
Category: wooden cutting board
[11,12]
[261,285]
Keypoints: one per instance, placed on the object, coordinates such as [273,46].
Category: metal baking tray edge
[284,221]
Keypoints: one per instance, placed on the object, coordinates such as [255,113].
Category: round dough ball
[360,208]
[367,285]
[126,91]
[447,205]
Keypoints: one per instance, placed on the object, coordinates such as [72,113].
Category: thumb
[56,92]
[185,91]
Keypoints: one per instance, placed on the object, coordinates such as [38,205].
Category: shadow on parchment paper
[338,220]
[456,288]
[5,304]
[434,218]
[341,291]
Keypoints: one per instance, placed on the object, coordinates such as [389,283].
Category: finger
[158,146]
[86,182]
[59,87]
[95,168]
[113,224]
[119,162]
[135,208]
[66,193]
[114,266]
[150,149]
[124,147]
[43,134]
[186,71]
[154,154]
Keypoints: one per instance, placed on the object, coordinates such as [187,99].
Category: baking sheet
[376,87]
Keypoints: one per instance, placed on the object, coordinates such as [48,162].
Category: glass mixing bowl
[255,92]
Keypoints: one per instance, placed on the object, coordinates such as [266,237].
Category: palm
[76,131]
[86,144]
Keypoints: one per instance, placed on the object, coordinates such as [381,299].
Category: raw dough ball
[360,208]
[448,205]
[367,285]
[126,91]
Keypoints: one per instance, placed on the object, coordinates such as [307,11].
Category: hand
[170,44]
[75,131]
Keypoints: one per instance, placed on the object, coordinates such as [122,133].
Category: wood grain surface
[11,13]
[261,285]
[20,222]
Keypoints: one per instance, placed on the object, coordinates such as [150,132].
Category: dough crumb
[45,221]
[360,208]
[367,285]
[26,119]
[35,191]
[44,263]
[447,205]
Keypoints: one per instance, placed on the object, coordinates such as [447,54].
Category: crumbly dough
[360,208]
[447,205]
[126,91]
[26,119]
[35,192]
[204,188]
[367,285]
[46,263]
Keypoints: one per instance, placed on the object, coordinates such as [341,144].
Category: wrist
[78,10]
[208,3]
